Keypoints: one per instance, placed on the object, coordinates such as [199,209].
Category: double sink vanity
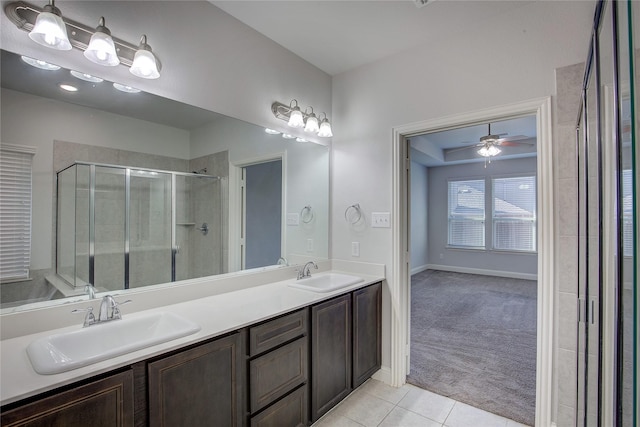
[279,353]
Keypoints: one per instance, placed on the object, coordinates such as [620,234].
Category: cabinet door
[198,387]
[107,402]
[331,354]
[367,352]
[288,412]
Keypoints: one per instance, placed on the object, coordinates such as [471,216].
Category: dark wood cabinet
[367,326]
[201,386]
[106,402]
[291,411]
[330,354]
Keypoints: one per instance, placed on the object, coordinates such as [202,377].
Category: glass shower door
[149,244]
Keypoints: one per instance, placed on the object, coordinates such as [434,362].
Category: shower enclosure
[121,227]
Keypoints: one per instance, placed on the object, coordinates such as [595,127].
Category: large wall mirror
[131,189]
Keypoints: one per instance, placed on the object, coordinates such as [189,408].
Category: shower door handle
[177,249]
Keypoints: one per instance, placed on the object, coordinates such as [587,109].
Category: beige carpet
[473,338]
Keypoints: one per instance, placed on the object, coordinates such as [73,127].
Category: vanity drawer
[274,374]
[275,332]
[291,411]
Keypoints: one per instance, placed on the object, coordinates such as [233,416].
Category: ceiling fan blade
[515,143]
[468,147]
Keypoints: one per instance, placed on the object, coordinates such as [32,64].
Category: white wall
[440,256]
[209,59]
[419,217]
[490,64]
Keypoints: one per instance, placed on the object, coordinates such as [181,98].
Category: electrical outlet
[380,219]
[309,245]
[355,248]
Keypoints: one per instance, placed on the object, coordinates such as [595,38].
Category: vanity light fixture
[272,131]
[296,118]
[48,27]
[38,63]
[125,88]
[101,49]
[86,77]
[301,140]
[287,136]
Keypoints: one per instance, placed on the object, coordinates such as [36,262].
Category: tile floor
[375,404]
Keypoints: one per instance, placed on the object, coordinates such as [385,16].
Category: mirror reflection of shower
[122,227]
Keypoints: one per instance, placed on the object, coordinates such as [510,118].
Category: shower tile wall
[567,101]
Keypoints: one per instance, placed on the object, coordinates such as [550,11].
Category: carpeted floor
[473,338]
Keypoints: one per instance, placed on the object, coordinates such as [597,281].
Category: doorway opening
[473,265]
[399,281]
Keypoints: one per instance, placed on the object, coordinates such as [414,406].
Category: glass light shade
[272,131]
[144,65]
[325,129]
[489,151]
[38,63]
[101,49]
[50,30]
[287,136]
[312,124]
[86,77]
[125,88]
[296,120]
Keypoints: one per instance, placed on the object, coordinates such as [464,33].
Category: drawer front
[292,411]
[271,334]
[274,374]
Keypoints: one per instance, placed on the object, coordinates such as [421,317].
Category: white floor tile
[364,408]
[427,404]
[511,423]
[384,391]
[464,415]
[332,419]
[400,417]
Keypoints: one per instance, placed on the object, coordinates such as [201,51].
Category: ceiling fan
[489,144]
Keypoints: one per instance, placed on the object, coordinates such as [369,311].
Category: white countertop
[216,315]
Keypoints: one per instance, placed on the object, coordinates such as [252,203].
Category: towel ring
[353,214]
[307,214]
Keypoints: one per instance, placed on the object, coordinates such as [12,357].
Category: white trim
[482,271]
[383,374]
[419,269]
[398,283]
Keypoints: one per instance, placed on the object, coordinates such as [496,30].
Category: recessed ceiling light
[39,63]
[68,87]
[271,131]
[86,77]
[287,136]
[124,88]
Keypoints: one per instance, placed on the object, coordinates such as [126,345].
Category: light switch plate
[355,248]
[293,219]
[380,219]
[309,245]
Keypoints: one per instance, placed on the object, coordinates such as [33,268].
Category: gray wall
[466,259]
[419,217]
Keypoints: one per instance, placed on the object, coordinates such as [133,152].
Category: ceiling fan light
[50,30]
[101,49]
[489,150]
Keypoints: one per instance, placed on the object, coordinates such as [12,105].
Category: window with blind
[466,214]
[15,211]
[514,213]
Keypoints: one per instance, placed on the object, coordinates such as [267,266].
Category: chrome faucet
[109,310]
[306,270]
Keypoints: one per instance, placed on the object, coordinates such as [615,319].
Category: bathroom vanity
[283,369]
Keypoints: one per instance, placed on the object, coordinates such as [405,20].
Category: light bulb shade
[101,49]
[50,30]
[144,65]
[325,129]
[312,124]
[489,151]
[296,120]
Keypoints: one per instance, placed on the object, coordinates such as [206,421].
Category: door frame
[399,285]
[236,206]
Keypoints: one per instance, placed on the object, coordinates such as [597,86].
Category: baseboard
[483,272]
[383,374]
[420,269]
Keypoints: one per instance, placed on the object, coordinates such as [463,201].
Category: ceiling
[447,147]
[340,35]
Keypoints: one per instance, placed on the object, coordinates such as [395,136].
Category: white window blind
[15,211]
[514,213]
[466,213]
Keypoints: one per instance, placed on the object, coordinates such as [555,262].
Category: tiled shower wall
[567,102]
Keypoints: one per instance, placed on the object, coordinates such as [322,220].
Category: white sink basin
[326,282]
[70,350]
